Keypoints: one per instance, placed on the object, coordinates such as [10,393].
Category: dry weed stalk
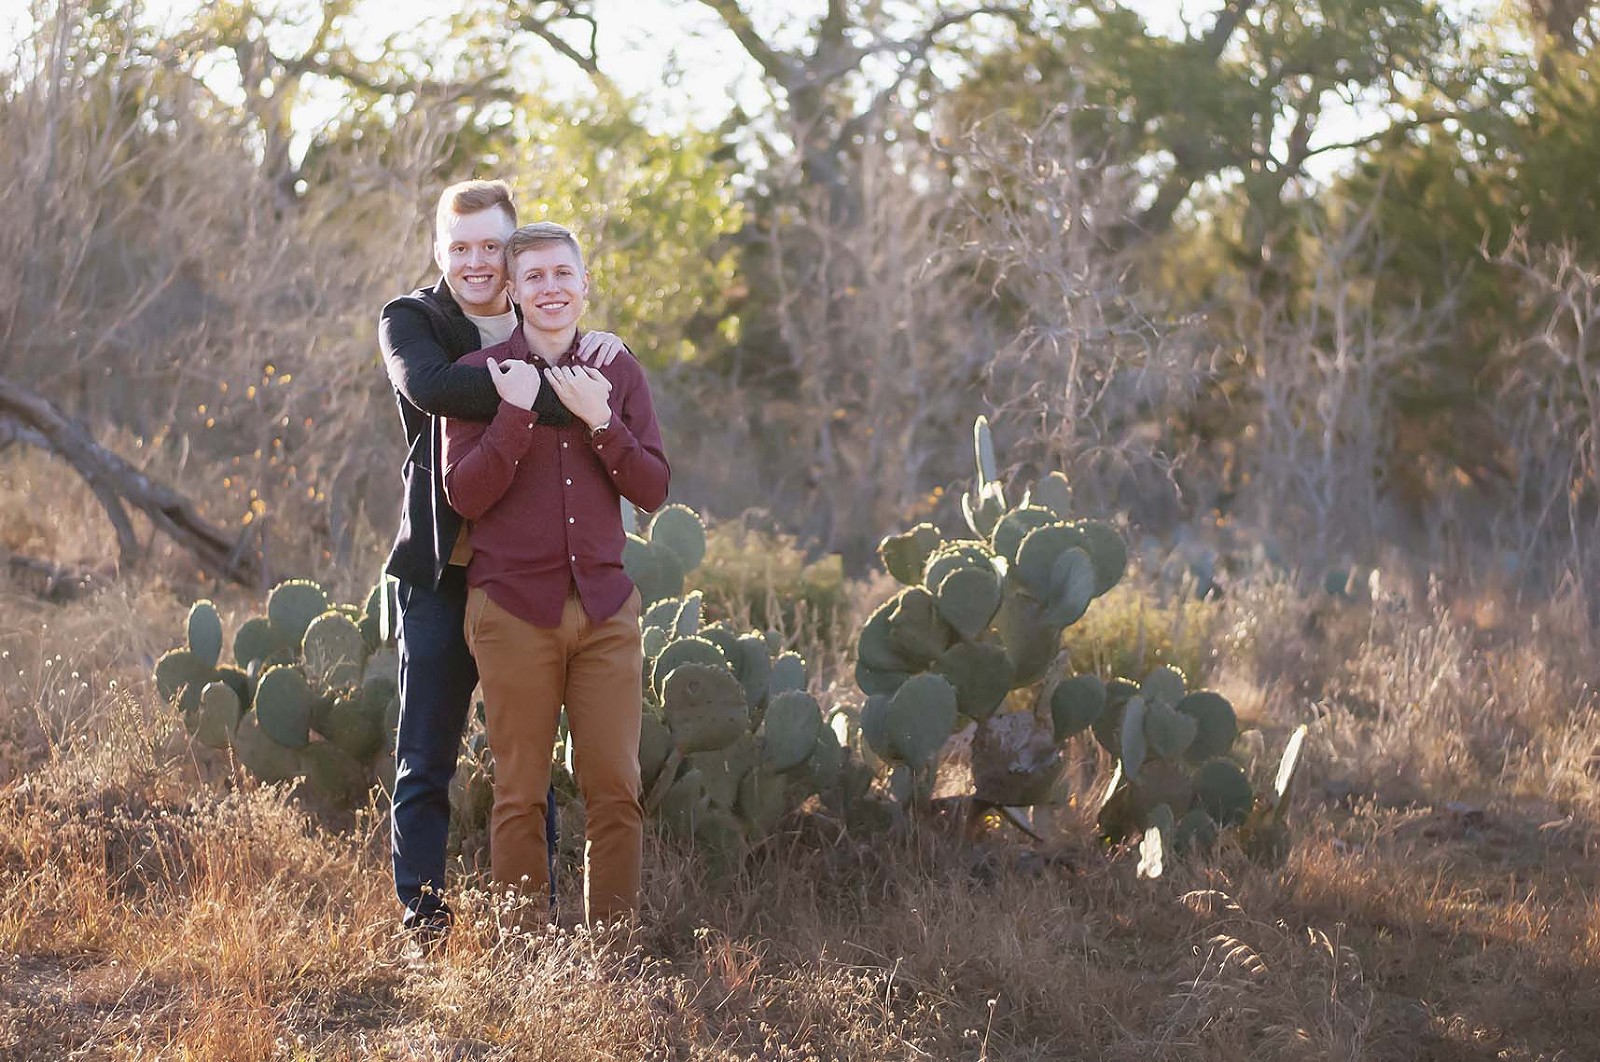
[1095,378]
[884,351]
[1547,411]
[1325,367]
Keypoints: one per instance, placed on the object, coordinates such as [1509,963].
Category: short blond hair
[539,234]
[471,197]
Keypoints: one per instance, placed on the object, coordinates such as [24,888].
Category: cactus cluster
[1170,746]
[311,691]
[731,740]
[672,546]
[976,632]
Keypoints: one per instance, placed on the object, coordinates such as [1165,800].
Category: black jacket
[421,336]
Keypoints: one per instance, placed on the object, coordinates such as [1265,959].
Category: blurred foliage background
[1300,282]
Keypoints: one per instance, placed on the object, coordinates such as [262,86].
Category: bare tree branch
[117,484]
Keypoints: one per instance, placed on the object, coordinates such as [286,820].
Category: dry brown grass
[1442,900]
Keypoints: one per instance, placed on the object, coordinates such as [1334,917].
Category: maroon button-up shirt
[545,501]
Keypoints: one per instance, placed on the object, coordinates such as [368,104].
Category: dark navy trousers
[437,677]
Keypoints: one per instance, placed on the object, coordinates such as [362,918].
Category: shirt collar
[521,350]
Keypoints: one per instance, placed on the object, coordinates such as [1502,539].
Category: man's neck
[549,345]
[501,304]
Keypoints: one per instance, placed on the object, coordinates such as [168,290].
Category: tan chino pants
[527,673]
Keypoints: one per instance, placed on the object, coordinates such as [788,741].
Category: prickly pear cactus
[1173,773]
[672,546]
[314,695]
[731,739]
[975,637]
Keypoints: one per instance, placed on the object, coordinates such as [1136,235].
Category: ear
[441,257]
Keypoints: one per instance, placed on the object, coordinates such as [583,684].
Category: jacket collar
[445,299]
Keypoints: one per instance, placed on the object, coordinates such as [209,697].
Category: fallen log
[29,417]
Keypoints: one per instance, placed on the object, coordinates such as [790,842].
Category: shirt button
[573,558]
[569,482]
[572,519]
[563,445]
[530,423]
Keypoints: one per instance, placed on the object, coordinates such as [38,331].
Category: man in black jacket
[422,335]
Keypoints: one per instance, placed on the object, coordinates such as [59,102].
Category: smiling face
[550,284]
[470,250]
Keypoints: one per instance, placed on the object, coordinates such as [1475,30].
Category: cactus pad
[875,729]
[682,651]
[256,640]
[355,725]
[218,715]
[333,774]
[954,555]
[875,681]
[1132,738]
[1168,731]
[761,800]
[655,745]
[1224,792]
[789,731]
[663,613]
[704,707]
[1076,703]
[371,622]
[333,650]
[1217,724]
[687,622]
[261,755]
[1108,552]
[980,673]
[968,599]
[875,647]
[1031,644]
[1071,588]
[753,665]
[1165,683]
[904,556]
[1053,492]
[984,507]
[292,606]
[1161,783]
[678,528]
[1014,526]
[917,633]
[788,673]
[1288,767]
[656,571]
[205,632]
[1036,557]
[685,803]
[920,716]
[180,672]
[983,449]
[724,769]
[283,706]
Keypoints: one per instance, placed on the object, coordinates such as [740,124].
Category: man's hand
[598,348]
[517,381]
[582,390]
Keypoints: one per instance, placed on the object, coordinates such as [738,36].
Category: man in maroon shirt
[552,618]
